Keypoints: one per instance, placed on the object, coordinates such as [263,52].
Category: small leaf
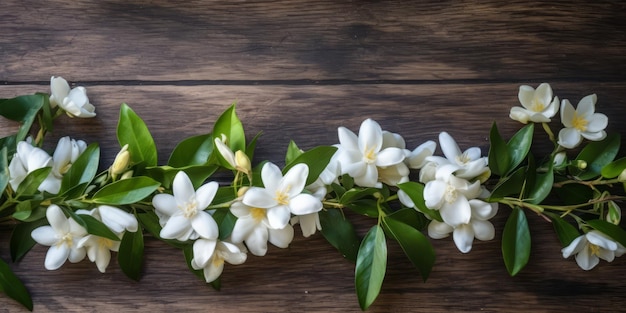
[229,124]
[83,170]
[13,287]
[317,159]
[226,222]
[371,264]
[414,244]
[339,232]
[410,217]
[30,184]
[126,191]
[499,158]
[21,240]
[367,207]
[356,194]
[614,168]
[292,152]
[192,151]
[516,242]
[519,145]
[415,191]
[564,230]
[132,130]
[509,185]
[598,154]
[130,255]
[22,109]
[97,228]
[4,169]
[615,232]
[542,186]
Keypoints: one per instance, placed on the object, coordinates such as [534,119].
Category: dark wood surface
[298,70]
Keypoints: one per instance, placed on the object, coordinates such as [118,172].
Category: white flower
[28,159]
[98,248]
[116,219]
[73,101]
[62,236]
[238,160]
[450,195]
[538,105]
[416,159]
[210,255]
[253,228]
[309,223]
[360,156]
[469,164]
[591,247]
[183,214]
[581,122]
[478,227]
[282,195]
[65,154]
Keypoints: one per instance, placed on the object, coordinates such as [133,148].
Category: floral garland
[63,202]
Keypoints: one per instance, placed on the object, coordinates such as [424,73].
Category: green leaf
[150,222]
[292,152]
[564,230]
[192,151]
[165,173]
[83,170]
[339,232]
[22,109]
[226,222]
[415,191]
[317,159]
[229,124]
[356,194]
[130,254]
[519,145]
[410,217]
[252,146]
[29,211]
[615,232]
[516,242]
[30,184]
[542,186]
[97,228]
[509,185]
[367,207]
[21,240]
[414,244]
[13,287]
[499,158]
[614,168]
[598,154]
[4,169]
[126,191]
[371,264]
[132,130]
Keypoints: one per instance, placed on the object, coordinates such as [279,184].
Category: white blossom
[66,153]
[469,163]
[591,247]
[74,101]
[210,255]
[537,105]
[183,214]
[28,159]
[62,236]
[581,122]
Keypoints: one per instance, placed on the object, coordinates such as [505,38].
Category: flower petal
[294,180]
[176,227]
[449,147]
[370,137]
[597,122]
[574,247]
[587,105]
[569,138]
[57,219]
[242,229]
[281,237]
[456,213]
[165,204]
[439,230]
[483,230]
[204,224]
[390,156]
[117,220]
[599,239]
[567,113]
[519,114]
[463,237]
[347,139]
[586,260]
[278,216]
[183,189]
[203,250]
[434,193]
[213,271]
[257,241]
[594,136]
[259,198]
[525,95]
[271,176]
[231,253]
[303,204]
[44,235]
[56,256]
[205,194]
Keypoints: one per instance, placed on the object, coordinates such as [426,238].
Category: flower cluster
[67,202]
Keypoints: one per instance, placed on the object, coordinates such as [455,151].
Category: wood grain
[298,70]
[313,41]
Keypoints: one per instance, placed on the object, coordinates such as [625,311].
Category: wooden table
[298,70]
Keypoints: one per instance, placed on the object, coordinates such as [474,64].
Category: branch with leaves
[67,201]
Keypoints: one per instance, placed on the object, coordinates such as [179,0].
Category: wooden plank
[310,275]
[313,41]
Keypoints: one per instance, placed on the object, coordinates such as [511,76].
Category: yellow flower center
[370,156]
[450,195]
[218,260]
[463,159]
[189,208]
[257,214]
[595,250]
[104,242]
[67,239]
[579,122]
[282,196]
[537,106]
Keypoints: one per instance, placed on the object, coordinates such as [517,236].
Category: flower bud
[126,175]
[559,159]
[581,164]
[121,161]
[242,191]
[242,162]
[622,176]
[614,214]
